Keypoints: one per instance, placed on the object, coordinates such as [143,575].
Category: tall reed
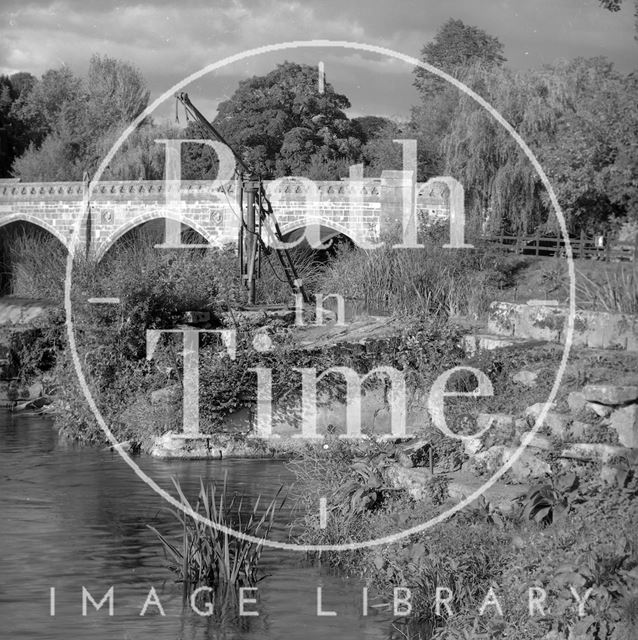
[428,281]
[615,290]
[209,556]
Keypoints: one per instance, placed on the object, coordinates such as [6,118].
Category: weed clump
[210,554]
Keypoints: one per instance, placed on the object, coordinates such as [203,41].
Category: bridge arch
[37,222]
[34,268]
[328,229]
[102,246]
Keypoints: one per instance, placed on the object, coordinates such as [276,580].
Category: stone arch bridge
[107,210]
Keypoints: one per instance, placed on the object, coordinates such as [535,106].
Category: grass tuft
[208,555]
[614,290]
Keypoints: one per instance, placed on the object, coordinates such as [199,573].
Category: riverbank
[571,491]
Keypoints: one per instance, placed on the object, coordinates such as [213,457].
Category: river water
[73,518]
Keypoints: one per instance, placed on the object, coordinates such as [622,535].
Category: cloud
[168,41]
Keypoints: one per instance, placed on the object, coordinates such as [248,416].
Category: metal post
[250,244]
[240,239]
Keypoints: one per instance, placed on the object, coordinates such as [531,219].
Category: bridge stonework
[360,210]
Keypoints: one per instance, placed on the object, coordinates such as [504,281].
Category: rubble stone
[534,410]
[576,402]
[601,410]
[554,421]
[625,422]
[594,451]
[539,442]
[414,481]
[36,390]
[472,446]
[489,460]
[526,378]
[610,394]
[501,431]
[528,466]
[578,429]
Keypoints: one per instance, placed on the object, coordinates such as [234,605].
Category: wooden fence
[584,247]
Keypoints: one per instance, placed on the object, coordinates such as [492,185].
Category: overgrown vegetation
[614,290]
[576,531]
[157,287]
[32,263]
[432,281]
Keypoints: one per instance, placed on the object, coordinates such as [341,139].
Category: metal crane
[256,212]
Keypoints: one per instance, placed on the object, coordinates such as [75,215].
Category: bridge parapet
[356,208]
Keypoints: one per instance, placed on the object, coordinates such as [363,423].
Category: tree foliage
[139,157]
[578,119]
[116,92]
[455,49]
[14,134]
[456,46]
[67,117]
[281,124]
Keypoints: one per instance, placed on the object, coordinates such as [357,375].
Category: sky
[168,41]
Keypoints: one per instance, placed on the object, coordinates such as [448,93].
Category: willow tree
[568,114]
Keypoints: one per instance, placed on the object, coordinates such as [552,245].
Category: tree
[429,123]
[456,47]
[281,124]
[22,82]
[139,157]
[593,154]
[373,126]
[52,99]
[14,136]
[199,161]
[579,120]
[52,161]
[380,152]
[116,92]
[68,117]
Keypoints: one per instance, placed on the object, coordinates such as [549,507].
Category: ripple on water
[77,517]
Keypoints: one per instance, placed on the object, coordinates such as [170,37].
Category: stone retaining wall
[537,321]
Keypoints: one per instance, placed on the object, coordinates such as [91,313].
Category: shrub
[32,263]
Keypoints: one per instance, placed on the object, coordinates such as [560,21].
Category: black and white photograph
[319,320]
